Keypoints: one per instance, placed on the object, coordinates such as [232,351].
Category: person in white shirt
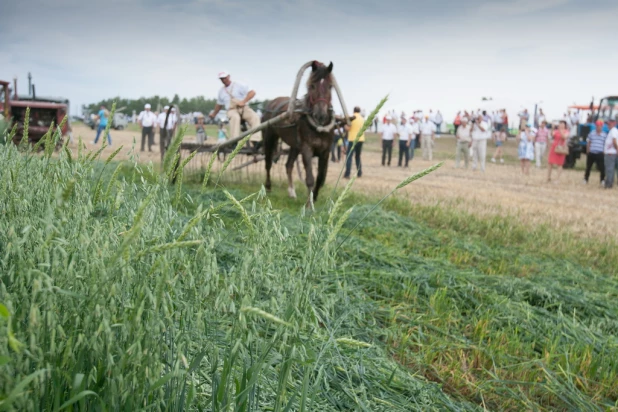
[464,142]
[438,122]
[172,120]
[418,115]
[416,134]
[234,97]
[405,138]
[147,122]
[428,130]
[611,154]
[161,126]
[389,131]
[541,118]
[480,133]
[574,123]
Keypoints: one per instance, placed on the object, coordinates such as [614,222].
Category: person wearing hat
[389,131]
[481,132]
[147,122]
[405,138]
[172,120]
[416,133]
[595,146]
[428,136]
[464,142]
[234,97]
[611,154]
[161,125]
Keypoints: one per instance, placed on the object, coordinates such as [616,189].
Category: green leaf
[4,312]
[76,398]
[19,389]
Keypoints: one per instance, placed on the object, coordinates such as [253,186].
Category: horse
[308,130]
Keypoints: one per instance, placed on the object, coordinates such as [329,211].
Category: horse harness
[301,108]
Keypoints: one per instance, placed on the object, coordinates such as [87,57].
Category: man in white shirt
[438,122]
[574,123]
[464,142]
[480,133]
[611,154]
[161,126]
[147,122]
[234,97]
[405,138]
[418,115]
[428,130]
[171,124]
[416,134]
[389,131]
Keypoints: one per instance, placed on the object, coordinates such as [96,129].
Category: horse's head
[318,92]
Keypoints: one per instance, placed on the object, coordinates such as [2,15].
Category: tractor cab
[606,109]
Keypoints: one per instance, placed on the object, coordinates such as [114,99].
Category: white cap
[166,107]
[173,109]
[147,106]
[223,74]
[388,117]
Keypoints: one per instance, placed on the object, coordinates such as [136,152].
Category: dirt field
[501,190]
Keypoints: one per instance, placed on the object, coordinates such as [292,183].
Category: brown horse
[308,131]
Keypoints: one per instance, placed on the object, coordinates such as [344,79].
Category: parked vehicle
[120,121]
[606,109]
[43,112]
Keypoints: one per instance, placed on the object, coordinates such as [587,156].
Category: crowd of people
[538,141]
[149,122]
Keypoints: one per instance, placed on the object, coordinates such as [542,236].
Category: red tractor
[43,111]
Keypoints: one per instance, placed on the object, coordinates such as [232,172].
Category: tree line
[193,104]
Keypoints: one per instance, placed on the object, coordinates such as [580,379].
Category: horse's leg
[322,169]
[289,168]
[307,154]
[270,143]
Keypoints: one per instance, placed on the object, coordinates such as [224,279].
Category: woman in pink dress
[556,159]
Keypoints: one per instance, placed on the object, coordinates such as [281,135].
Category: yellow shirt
[355,126]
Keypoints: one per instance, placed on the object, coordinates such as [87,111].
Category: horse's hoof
[292,193]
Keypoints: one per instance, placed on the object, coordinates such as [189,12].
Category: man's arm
[249,96]
[215,111]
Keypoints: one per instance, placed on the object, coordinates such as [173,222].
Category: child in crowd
[222,137]
[525,150]
[499,138]
[200,130]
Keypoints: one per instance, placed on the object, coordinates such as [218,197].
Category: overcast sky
[439,54]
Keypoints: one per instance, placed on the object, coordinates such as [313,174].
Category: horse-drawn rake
[305,126]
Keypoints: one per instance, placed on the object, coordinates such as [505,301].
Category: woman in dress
[525,149]
[560,136]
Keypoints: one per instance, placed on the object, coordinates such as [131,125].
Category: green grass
[125,293]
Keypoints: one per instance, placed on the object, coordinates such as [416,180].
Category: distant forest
[194,104]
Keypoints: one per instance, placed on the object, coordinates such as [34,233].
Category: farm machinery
[43,112]
[605,110]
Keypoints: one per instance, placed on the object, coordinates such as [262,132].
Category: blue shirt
[103,119]
[597,141]
[221,134]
